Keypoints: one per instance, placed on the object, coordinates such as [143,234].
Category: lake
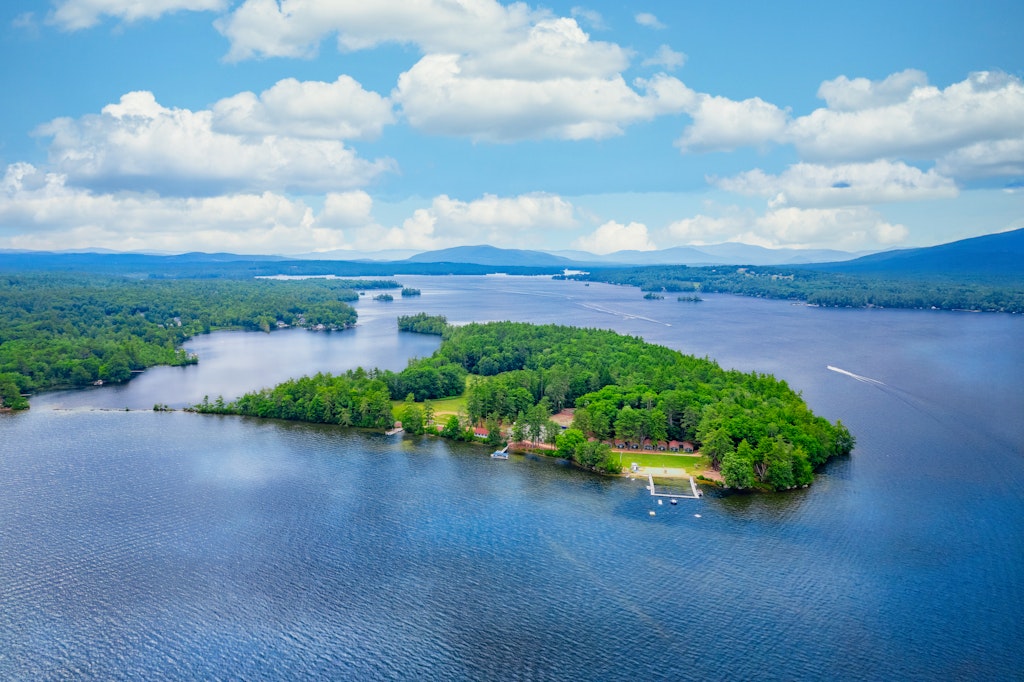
[143,545]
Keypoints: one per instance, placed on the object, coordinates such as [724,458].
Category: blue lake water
[141,545]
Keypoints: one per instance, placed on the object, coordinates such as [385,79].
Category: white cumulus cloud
[551,48]
[649,20]
[846,94]
[346,209]
[72,15]
[437,97]
[666,57]
[590,17]
[703,229]
[308,109]
[612,236]
[722,124]
[807,185]
[523,221]
[41,211]
[489,72]
[910,120]
[295,28]
[991,158]
[848,228]
[139,144]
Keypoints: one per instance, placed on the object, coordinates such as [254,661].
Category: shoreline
[708,476]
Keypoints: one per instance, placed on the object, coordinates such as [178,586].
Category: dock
[695,491]
[500,454]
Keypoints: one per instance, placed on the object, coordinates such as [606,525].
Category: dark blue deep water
[142,545]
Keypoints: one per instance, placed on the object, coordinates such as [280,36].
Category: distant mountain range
[989,257]
[713,254]
[490,255]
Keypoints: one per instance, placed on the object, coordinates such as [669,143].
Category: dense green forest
[820,288]
[64,329]
[753,427]
[421,323]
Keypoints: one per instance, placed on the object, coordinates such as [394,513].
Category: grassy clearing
[655,459]
[445,406]
[449,405]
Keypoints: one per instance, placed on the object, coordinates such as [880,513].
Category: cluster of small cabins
[564,419]
[625,446]
[660,446]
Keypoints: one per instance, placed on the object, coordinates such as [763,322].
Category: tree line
[62,329]
[820,288]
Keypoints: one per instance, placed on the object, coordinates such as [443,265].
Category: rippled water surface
[141,545]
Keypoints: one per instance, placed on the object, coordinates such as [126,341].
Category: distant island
[503,381]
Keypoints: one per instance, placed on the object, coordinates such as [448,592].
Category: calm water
[140,545]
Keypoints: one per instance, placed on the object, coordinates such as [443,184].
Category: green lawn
[646,458]
[442,406]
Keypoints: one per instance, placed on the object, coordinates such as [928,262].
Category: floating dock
[500,454]
[695,491]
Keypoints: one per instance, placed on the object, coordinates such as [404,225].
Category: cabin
[481,432]
[688,446]
[673,446]
[648,445]
[662,446]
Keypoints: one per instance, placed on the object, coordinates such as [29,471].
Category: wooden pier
[695,491]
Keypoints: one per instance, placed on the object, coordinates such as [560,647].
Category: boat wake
[619,313]
[916,402]
[858,377]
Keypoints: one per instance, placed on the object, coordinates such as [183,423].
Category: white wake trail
[858,377]
[623,315]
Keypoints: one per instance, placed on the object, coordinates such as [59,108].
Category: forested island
[752,427]
[60,329]
[421,323]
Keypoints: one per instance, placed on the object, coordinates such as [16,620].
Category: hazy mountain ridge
[490,255]
[993,256]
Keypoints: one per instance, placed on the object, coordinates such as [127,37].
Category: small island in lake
[503,381]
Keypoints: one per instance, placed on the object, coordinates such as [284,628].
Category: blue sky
[295,126]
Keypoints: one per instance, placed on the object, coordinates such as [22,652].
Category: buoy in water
[652,512]
[659,503]
[697,515]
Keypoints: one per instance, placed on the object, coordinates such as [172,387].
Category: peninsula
[626,393]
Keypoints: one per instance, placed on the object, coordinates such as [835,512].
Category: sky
[301,126]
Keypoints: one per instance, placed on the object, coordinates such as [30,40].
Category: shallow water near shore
[142,545]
